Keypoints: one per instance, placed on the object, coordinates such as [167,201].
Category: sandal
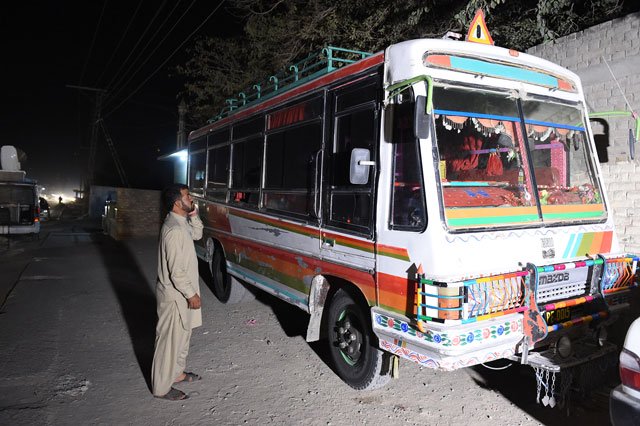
[174,395]
[189,377]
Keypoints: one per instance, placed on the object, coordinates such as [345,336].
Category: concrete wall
[590,54]
[137,213]
[98,197]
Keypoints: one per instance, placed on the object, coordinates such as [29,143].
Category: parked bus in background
[439,201]
[19,206]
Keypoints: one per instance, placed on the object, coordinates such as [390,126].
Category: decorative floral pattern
[448,365]
[448,339]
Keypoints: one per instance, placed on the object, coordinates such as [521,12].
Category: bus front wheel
[356,360]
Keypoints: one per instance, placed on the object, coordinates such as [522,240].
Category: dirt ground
[77,333]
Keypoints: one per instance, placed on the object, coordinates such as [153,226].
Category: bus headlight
[563,347]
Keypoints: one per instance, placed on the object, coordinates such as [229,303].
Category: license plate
[557,316]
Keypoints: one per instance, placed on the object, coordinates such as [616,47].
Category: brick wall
[590,54]
[137,213]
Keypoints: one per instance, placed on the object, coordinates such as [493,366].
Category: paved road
[77,331]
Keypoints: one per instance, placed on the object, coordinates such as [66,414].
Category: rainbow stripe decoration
[568,303]
[577,321]
[588,243]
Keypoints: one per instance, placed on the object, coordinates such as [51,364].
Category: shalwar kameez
[178,280]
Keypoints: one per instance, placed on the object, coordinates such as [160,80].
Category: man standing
[177,293]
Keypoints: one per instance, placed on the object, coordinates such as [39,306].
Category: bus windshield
[496,170]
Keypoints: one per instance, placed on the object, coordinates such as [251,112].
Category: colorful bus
[439,201]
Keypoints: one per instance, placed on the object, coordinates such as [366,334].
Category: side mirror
[420,118]
[359,166]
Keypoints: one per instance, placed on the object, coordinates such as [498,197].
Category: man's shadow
[135,296]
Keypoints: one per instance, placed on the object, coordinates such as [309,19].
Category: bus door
[347,231]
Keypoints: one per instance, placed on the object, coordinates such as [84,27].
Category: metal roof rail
[313,66]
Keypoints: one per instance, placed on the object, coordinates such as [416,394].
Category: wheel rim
[348,337]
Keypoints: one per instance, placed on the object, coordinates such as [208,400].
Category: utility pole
[93,142]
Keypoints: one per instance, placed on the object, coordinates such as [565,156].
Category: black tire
[226,288]
[351,345]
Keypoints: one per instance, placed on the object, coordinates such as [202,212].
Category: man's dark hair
[171,194]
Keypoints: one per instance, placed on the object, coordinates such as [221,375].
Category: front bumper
[516,315]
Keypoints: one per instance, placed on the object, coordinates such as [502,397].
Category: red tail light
[37,215]
[630,369]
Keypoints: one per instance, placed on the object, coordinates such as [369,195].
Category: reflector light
[630,369]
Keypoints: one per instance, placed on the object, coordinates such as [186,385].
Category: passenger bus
[439,201]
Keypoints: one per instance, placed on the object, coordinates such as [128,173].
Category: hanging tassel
[494,165]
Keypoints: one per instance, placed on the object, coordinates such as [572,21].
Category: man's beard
[186,208]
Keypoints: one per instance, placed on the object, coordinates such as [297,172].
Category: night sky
[48,45]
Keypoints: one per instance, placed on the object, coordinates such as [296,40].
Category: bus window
[290,168]
[561,157]
[218,173]
[407,202]
[219,137]
[245,179]
[351,204]
[248,127]
[197,170]
[483,162]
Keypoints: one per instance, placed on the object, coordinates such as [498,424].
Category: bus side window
[408,210]
[197,170]
[351,204]
[218,173]
[245,179]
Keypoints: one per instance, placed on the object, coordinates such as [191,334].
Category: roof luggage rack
[327,60]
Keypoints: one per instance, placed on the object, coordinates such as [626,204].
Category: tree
[276,33]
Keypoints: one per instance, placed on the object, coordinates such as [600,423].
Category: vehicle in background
[19,206]
[624,406]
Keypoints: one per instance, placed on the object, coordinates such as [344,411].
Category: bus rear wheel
[225,287]
[356,360]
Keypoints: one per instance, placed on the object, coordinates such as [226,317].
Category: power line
[93,40]
[117,91]
[124,34]
[136,45]
[166,60]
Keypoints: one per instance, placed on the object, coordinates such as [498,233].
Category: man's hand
[194,212]
[194,302]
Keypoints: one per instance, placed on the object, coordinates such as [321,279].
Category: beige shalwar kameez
[178,280]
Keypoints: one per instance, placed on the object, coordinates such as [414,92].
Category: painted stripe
[576,215]
[474,221]
[459,213]
[585,244]
[572,208]
[556,125]
[576,244]
[277,223]
[394,252]
[243,272]
[596,245]
[605,246]
[294,267]
[588,243]
[504,71]
[475,115]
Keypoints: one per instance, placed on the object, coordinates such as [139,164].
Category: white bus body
[440,201]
